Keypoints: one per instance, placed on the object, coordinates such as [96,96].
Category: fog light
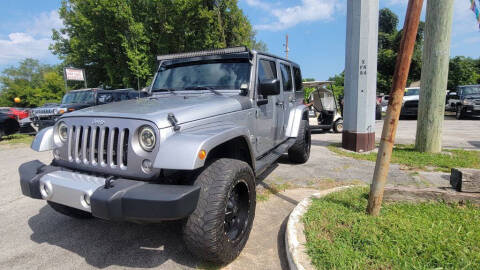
[147,166]
[45,190]
[85,200]
[86,197]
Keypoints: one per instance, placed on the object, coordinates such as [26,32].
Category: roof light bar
[202,53]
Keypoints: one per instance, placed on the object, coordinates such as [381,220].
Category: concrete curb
[295,238]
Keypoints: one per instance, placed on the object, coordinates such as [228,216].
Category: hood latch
[173,120]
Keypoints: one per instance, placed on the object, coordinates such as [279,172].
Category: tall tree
[389,38]
[32,82]
[117,41]
[462,71]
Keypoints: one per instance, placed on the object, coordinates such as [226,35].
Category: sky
[316,30]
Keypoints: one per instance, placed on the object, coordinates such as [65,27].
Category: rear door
[288,96]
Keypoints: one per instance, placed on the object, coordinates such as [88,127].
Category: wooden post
[436,57]
[399,82]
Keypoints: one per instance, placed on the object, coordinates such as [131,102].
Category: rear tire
[70,211]
[338,126]
[219,227]
[300,151]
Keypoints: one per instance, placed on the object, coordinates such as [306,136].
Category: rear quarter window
[297,75]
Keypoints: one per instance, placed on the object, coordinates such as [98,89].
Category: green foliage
[17,139]
[407,155]
[117,41]
[388,45]
[388,21]
[34,83]
[433,235]
[307,90]
[338,84]
[463,71]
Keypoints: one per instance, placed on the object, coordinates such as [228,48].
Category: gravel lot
[34,236]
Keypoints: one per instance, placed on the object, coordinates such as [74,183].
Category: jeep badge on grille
[98,122]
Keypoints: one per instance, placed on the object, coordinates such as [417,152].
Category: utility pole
[399,82]
[433,86]
[361,51]
[287,49]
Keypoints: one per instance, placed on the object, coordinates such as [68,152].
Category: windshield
[412,92]
[471,90]
[78,97]
[225,75]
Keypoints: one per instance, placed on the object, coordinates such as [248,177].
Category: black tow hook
[109,182]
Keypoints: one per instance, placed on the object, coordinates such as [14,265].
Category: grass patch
[17,139]
[405,236]
[407,155]
[271,189]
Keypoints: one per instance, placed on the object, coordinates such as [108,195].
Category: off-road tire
[300,151]
[70,211]
[205,232]
[459,114]
[338,126]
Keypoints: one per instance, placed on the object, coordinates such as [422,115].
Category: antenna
[287,49]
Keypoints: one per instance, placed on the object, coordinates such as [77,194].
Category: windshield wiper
[171,90]
[203,88]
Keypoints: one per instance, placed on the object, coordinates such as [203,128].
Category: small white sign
[74,74]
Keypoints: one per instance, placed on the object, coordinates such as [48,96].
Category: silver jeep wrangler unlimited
[191,151]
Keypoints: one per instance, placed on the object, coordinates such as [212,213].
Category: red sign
[74,74]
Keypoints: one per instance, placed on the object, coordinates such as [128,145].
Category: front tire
[459,113]
[300,151]
[70,211]
[338,126]
[219,227]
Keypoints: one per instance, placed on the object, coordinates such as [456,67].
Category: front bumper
[472,109]
[124,200]
[409,111]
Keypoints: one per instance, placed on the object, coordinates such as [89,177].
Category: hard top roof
[102,90]
[240,51]
[316,83]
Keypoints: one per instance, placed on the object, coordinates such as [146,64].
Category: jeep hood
[408,98]
[157,108]
[473,96]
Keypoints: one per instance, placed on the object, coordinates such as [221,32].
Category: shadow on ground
[104,244]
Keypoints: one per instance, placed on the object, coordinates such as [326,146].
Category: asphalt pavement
[34,236]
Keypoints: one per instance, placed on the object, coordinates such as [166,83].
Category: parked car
[465,101]
[216,120]
[19,113]
[74,100]
[378,107]
[8,124]
[410,102]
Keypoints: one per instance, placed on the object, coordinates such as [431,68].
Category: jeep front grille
[98,146]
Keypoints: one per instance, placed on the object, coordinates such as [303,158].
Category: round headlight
[63,131]
[147,139]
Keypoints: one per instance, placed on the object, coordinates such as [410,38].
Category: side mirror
[269,87]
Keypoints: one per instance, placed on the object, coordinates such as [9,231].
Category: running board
[270,158]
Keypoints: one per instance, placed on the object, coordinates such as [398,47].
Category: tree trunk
[436,56]
[399,82]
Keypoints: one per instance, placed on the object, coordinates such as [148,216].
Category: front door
[265,126]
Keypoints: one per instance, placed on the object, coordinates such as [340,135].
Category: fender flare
[43,140]
[180,151]
[297,114]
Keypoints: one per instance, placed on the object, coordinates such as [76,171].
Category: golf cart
[325,112]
